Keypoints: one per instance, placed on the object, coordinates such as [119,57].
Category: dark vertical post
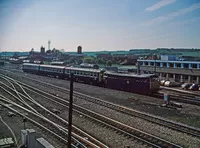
[155,63]
[24,120]
[138,68]
[70,110]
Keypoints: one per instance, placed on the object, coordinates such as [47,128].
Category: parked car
[171,84]
[194,87]
[185,86]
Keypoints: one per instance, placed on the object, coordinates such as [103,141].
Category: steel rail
[36,123]
[77,129]
[130,131]
[154,119]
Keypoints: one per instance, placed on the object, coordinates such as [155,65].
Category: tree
[101,61]
[88,60]
[48,51]
[15,55]
[109,63]
[62,50]
[32,51]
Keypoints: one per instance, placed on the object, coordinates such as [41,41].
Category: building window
[171,65]
[146,63]
[194,78]
[152,63]
[186,65]
[158,64]
[185,77]
[164,64]
[194,65]
[178,65]
[170,75]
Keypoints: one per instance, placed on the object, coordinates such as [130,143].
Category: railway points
[139,135]
[47,121]
[53,86]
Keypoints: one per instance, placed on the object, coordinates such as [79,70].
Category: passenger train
[142,84]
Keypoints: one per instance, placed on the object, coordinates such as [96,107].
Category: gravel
[160,131]
[17,125]
[189,114]
[108,136]
[119,97]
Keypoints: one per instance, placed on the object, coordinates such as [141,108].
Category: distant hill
[9,54]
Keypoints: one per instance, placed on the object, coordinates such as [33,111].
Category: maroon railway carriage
[143,84]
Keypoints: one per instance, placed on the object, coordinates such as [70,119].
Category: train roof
[62,67]
[130,75]
[60,63]
[84,69]
[31,64]
[53,66]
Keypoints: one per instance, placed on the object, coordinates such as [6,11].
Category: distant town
[122,57]
[168,63]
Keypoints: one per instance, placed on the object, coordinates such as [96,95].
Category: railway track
[179,96]
[78,135]
[151,118]
[146,138]
[183,96]
[191,93]
[54,130]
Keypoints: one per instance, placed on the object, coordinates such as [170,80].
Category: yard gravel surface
[189,114]
[168,134]
[104,134]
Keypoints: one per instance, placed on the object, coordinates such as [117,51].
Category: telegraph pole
[155,63]
[70,110]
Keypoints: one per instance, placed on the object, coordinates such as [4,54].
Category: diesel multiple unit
[144,83]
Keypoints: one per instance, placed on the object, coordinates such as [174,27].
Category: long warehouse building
[180,71]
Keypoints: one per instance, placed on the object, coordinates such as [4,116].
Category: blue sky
[99,24]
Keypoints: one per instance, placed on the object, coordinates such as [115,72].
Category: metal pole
[70,110]
[155,63]
[24,120]
[138,68]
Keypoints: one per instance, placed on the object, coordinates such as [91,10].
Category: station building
[179,71]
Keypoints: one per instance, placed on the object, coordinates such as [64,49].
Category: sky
[99,25]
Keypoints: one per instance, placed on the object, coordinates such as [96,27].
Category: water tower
[79,50]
